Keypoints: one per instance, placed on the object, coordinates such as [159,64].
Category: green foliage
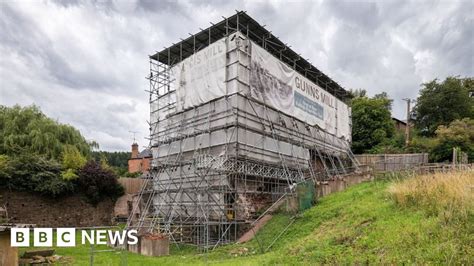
[371,123]
[358,93]
[72,158]
[72,161]
[133,175]
[395,144]
[114,159]
[34,173]
[69,174]
[98,183]
[384,96]
[420,144]
[117,161]
[442,103]
[28,130]
[31,147]
[459,134]
[6,169]
[361,225]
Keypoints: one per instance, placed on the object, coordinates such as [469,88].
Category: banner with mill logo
[278,85]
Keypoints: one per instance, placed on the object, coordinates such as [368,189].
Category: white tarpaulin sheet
[200,77]
[278,85]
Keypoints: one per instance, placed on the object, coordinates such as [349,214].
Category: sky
[84,63]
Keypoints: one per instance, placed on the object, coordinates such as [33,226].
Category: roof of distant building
[146,153]
[399,121]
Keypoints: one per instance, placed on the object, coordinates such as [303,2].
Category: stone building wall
[69,211]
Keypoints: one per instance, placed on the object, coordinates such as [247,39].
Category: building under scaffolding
[237,121]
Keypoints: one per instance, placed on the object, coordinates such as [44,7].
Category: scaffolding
[218,165]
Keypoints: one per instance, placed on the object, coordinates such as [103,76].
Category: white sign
[278,85]
[201,77]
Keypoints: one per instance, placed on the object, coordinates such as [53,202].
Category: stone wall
[70,211]
[324,188]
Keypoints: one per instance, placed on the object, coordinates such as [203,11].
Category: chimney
[134,150]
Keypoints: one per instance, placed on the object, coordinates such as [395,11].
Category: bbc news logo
[66,237]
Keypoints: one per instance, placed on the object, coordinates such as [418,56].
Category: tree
[98,183]
[459,134]
[28,130]
[371,123]
[384,96]
[358,93]
[33,173]
[72,161]
[38,154]
[442,103]
[117,160]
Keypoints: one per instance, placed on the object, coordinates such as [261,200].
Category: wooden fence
[392,162]
[131,185]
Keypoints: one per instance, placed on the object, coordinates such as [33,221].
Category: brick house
[139,162]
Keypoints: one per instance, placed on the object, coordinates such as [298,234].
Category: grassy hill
[367,223]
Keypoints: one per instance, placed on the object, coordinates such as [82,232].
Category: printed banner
[200,77]
[276,84]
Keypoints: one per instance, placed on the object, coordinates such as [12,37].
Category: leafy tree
[5,168]
[34,173]
[420,144]
[459,134]
[358,93]
[384,96]
[72,158]
[28,130]
[72,161]
[38,154]
[98,183]
[395,144]
[442,103]
[371,123]
[115,159]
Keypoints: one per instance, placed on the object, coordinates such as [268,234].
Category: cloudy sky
[84,63]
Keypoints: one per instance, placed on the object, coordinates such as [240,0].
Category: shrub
[459,134]
[98,183]
[72,158]
[69,175]
[31,172]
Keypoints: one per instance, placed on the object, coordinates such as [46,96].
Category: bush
[459,134]
[98,183]
[31,172]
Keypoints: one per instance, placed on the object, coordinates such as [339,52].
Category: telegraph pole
[407,128]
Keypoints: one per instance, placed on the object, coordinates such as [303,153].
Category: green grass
[359,225]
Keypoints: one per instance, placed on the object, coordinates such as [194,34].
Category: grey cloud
[84,62]
[159,6]
[20,33]
[67,3]
[364,15]
[121,107]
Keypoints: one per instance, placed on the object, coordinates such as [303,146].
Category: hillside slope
[359,225]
